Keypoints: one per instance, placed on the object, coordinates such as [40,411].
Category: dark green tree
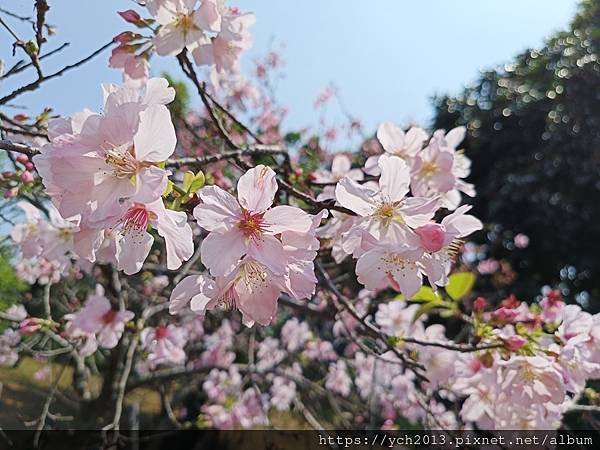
[534,138]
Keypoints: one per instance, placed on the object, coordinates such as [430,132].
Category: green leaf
[292,137]
[425,308]
[192,182]
[426,294]
[176,205]
[197,183]
[459,285]
[188,179]
[168,189]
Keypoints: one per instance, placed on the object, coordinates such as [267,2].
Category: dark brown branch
[233,154]
[19,67]
[42,8]
[190,72]
[35,84]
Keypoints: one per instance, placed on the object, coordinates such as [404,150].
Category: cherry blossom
[101,159]
[341,167]
[397,143]
[164,345]
[133,242]
[223,51]
[99,318]
[247,225]
[182,25]
[386,214]
[9,339]
[251,288]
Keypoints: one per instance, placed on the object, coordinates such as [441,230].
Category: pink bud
[124,37]
[29,326]
[514,343]
[11,193]
[23,159]
[130,16]
[29,166]
[505,315]
[479,304]
[432,236]
[27,177]
[7,174]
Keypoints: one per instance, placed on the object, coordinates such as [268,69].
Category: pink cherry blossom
[182,25]
[223,52]
[461,166]
[437,264]
[164,344]
[135,67]
[247,225]
[283,392]
[397,143]
[341,167]
[337,379]
[384,210]
[108,157]
[396,318]
[9,340]
[251,288]
[133,242]
[98,317]
[432,171]
[294,334]
[391,265]
[533,380]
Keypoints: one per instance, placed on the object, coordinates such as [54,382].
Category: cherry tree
[211,256]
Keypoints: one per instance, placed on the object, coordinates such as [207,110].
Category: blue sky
[387,57]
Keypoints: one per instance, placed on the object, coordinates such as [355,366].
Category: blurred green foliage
[11,288]
[180,105]
[534,139]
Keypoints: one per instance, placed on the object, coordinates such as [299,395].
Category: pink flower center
[137,218]
[252,225]
[109,317]
[161,332]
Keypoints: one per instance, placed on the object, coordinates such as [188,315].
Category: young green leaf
[459,285]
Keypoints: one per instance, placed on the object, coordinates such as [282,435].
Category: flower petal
[219,210]
[257,188]
[354,196]
[155,138]
[287,218]
[220,252]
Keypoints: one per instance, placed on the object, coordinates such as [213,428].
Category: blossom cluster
[215,34]
[254,251]
[46,244]
[393,235]
[392,213]
[103,172]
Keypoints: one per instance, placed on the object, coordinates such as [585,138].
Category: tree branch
[35,84]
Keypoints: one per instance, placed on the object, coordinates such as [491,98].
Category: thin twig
[19,67]
[121,388]
[35,84]
[46,409]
